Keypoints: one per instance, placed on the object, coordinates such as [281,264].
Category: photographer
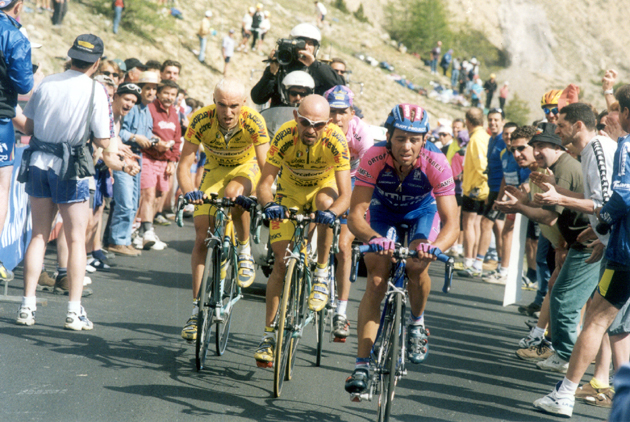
[299,53]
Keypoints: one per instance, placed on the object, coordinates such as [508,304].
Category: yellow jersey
[475,180]
[307,166]
[250,131]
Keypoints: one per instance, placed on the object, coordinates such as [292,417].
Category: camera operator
[298,53]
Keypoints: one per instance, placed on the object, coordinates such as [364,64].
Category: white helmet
[306,30]
[298,78]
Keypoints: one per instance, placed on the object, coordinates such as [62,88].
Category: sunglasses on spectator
[133,87]
[519,149]
[601,126]
[496,110]
[550,110]
[339,71]
[298,93]
[443,134]
[309,123]
[106,73]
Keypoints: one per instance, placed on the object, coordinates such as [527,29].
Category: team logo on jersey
[299,154]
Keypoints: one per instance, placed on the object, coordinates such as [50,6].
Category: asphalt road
[134,366]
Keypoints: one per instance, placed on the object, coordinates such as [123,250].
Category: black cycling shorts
[614,285]
[471,205]
[533,230]
[488,212]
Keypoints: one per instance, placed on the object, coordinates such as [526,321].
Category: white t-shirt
[247,20]
[597,169]
[321,8]
[265,25]
[59,107]
[228,44]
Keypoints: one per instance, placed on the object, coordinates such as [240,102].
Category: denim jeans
[543,272]
[126,199]
[575,284]
[433,65]
[454,78]
[203,41]
[117,16]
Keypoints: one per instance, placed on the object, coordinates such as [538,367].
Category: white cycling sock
[413,320]
[74,306]
[30,302]
[342,305]
[243,248]
[537,332]
[567,388]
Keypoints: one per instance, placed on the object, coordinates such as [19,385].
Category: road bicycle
[219,290]
[387,358]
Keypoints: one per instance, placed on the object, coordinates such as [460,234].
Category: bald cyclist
[235,141]
[311,157]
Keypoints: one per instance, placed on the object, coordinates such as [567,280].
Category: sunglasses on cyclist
[114,74]
[519,148]
[309,123]
[298,93]
[550,110]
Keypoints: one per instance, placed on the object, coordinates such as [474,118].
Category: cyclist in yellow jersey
[236,142]
[311,159]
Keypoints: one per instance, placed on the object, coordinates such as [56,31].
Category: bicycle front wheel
[301,293]
[205,315]
[229,292]
[388,378]
[284,335]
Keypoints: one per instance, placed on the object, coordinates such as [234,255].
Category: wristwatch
[609,91]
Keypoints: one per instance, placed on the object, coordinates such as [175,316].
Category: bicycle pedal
[359,397]
[339,339]
[262,364]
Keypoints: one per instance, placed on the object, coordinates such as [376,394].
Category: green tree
[360,14]
[419,24]
[517,111]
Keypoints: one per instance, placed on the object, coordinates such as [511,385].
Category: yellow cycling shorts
[216,180]
[289,195]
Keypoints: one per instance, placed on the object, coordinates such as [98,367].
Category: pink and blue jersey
[431,177]
[359,140]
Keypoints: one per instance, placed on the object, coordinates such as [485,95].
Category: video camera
[287,51]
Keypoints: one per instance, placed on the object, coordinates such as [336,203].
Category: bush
[341,6]
[517,111]
[360,14]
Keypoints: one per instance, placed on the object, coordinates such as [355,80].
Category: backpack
[256,20]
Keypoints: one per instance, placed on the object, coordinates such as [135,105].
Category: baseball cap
[147,77]
[6,3]
[129,88]
[121,65]
[232,31]
[133,62]
[86,47]
[546,132]
[339,96]
[208,13]
[445,129]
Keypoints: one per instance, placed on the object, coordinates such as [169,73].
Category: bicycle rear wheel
[325,316]
[222,331]
[388,377]
[205,315]
[284,333]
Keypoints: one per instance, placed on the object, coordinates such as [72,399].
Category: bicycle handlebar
[403,253]
[212,200]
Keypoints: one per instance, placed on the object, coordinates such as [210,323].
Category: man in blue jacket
[16,77]
[613,289]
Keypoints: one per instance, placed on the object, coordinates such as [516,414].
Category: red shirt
[166,126]
[119,3]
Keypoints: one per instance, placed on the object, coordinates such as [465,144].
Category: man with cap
[204,30]
[490,86]
[227,50]
[257,20]
[57,167]
[246,29]
[268,87]
[16,77]
[134,69]
[576,277]
[359,139]
[137,132]
[445,135]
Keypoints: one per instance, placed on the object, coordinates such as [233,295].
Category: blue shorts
[7,142]
[423,223]
[46,184]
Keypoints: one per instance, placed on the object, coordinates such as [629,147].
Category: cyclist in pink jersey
[407,185]
[359,139]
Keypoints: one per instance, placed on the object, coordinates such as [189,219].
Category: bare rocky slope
[550,45]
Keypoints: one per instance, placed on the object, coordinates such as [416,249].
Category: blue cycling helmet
[407,117]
